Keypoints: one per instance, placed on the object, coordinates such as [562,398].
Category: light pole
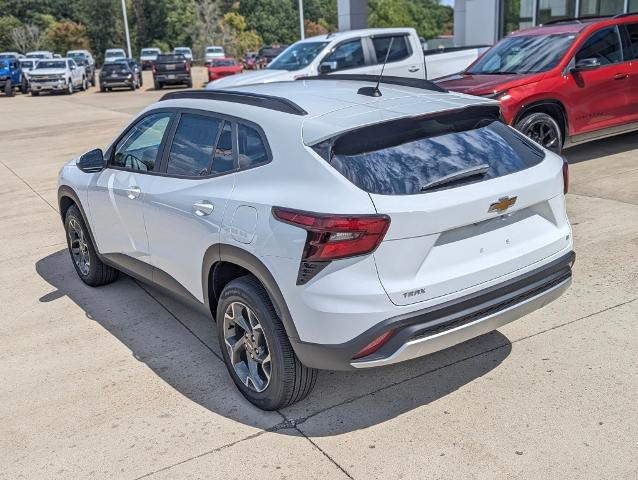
[128,37]
[301,26]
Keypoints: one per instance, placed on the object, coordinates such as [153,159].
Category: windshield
[215,50]
[4,63]
[524,54]
[42,64]
[116,53]
[297,56]
[36,55]
[115,67]
[181,50]
[6,55]
[27,64]
[147,51]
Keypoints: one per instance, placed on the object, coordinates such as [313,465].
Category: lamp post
[128,37]
[301,26]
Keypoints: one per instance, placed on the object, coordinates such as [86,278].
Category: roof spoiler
[399,81]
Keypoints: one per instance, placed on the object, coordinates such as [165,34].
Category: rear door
[500,210]
[630,50]
[185,207]
[404,60]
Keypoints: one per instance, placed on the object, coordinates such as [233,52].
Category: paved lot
[122,382]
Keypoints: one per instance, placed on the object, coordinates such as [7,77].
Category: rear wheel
[85,84]
[85,260]
[189,84]
[8,88]
[157,85]
[102,88]
[93,78]
[256,348]
[543,129]
[24,86]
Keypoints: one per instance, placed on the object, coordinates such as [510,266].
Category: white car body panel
[42,78]
[112,54]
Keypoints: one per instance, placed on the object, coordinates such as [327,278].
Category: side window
[223,160]
[192,149]
[631,52]
[347,55]
[400,49]
[252,150]
[603,45]
[138,149]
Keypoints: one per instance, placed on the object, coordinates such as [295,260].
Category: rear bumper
[116,83]
[173,78]
[437,328]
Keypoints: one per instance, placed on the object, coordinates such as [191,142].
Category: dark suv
[171,69]
[118,74]
[563,83]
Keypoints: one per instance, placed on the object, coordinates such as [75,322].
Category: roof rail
[577,19]
[628,14]
[247,98]
[399,81]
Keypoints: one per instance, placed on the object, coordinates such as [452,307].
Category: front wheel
[69,88]
[8,88]
[93,79]
[24,86]
[543,129]
[256,349]
[85,85]
[83,254]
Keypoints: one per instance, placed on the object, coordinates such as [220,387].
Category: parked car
[113,54]
[148,56]
[356,52]
[404,227]
[252,61]
[563,83]
[12,77]
[136,68]
[14,55]
[57,75]
[39,54]
[171,69]
[269,52]
[186,52]
[118,74]
[213,52]
[84,58]
[222,67]
[27,64]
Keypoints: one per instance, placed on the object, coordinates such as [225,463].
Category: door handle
[203,208]
[414,68]
[133,192]
[621,76]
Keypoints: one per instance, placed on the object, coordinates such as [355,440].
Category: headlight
[129,76]
[500,95]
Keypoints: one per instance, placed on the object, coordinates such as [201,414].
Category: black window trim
[406,39]
[625,38]
[572,62]
[367,58]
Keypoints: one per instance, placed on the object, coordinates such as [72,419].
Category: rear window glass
[115,67]
[399,48]
[410,156]
[170,58]
[252,150]
[192,149]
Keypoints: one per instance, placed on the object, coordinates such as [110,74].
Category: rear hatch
[171,64]
[470,199]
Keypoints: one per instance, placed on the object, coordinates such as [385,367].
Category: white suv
[325,226]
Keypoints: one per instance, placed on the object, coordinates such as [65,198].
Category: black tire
[141,82]
[24,86]
[189,84]
[34,93]
[543,129]
[133,85]
[93,79]
[85,85]
[8,88]
[69,88]
[290,380]
[98,273]
[102,88]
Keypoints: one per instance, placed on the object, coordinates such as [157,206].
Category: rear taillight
[187,66]
[565,175]
[374,345]
[331,237]
[154,68]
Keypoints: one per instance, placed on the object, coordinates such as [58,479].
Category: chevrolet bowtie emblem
[503,204]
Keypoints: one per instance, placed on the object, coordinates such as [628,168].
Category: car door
[185,206]
[402,59]
[116,195]
[349,56]
[601,93]
[630,51]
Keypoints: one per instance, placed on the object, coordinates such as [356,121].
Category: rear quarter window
[409,157]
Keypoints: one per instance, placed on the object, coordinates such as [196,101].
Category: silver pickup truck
[57,75]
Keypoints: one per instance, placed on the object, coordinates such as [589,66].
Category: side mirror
[327,67]
[586,64]
[92,161]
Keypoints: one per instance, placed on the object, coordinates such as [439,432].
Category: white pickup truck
[57,75]
[358,52]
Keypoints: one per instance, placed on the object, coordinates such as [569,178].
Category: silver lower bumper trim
[419,347]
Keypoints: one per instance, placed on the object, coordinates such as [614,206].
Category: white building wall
[476,22]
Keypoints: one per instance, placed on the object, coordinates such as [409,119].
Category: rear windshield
[412,156]
[149,51]
[115,67]
[170,58]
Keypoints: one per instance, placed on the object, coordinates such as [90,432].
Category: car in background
[15,55]
[57,75]
[118,74]
[269,52]
[148,56]
[39,54]
[171,69]
[27,64]
[325,227]
[84,58]
[222,67]
[252,61]
[563,83]
[213,52]
[11,77]
[356,52]
[112,54]
[136,68]
[186,52]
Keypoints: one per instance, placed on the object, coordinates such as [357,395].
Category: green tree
[64,36]
[7,24]
[237,39]
[105,28]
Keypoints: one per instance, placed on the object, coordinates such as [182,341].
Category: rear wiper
[458,175]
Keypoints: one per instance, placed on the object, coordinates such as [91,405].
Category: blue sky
[448,2]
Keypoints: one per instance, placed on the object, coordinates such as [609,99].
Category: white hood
[48,71]
[252,78]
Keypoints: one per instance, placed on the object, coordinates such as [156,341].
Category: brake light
[565,175]
[332,237]
[374,345]
[188,67]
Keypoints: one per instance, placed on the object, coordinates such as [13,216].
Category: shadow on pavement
[191,365]
[601,148]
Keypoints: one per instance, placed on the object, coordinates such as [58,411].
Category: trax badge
[503,204]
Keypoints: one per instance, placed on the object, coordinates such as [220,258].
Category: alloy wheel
[544,133]
[247,347]
[79,247]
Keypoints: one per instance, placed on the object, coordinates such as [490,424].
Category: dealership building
[479,22]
